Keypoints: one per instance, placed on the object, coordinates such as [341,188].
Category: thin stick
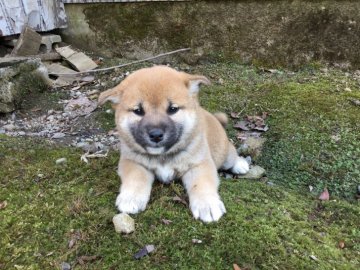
[123,65]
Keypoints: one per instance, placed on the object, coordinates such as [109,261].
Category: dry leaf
[324,196]
[180,200]
[242,125]
[341,244]
[75,88]
[355,102]
[84,259]
[236,267]
[235,115]
[144,251]
[313,257]
[3,204]
[35,109]
[166,221]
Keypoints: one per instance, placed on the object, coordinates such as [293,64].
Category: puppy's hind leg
[234,163]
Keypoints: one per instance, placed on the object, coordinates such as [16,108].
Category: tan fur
[202,149]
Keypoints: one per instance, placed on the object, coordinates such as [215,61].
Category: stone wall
[267,33]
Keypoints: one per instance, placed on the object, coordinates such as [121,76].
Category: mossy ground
[266,227]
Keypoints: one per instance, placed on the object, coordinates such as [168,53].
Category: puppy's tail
[222,118]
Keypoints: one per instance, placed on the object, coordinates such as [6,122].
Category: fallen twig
[98,154]
[122,65]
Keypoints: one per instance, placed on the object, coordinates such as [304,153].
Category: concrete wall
[268,33]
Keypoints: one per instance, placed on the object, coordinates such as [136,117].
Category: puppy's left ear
[112,95]
[194,82]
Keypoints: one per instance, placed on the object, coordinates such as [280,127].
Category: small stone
[99,146]
[50,112]
[196,241]
[255,172]
[93,97]
[50,118]
[61,161]
[93,92]
[2,131]
[9,127]
[21,133]
[65,266]
[252,146]
[82,145]
[123,223]
[58,135]
[109,111]
[358,189]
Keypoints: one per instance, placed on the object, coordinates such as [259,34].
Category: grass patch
[313,140]
[314,136]
[265,227]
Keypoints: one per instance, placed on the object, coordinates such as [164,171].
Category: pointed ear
[112,95]
[194,81]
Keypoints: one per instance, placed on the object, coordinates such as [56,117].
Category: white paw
[131,203]
[241,166]
[207,208]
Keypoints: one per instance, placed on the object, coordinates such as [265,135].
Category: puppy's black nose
[156,135]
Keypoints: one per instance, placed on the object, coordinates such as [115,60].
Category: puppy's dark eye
[139,111]
[172,109]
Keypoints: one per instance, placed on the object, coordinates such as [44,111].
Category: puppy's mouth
[155,142]
[155,150]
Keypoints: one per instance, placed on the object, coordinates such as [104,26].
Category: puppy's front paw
[241,166]
[207,208]
[131,203]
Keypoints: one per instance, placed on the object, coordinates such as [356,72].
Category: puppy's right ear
[112,95]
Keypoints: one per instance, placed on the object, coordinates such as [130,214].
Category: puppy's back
[216,136]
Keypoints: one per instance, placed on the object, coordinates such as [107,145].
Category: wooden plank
[78,60]
[28,43]
[82,62]
[65,52]
[57,68]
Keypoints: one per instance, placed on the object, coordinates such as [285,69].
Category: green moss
[262,229]
[314,136]
[140,21]
[265,227]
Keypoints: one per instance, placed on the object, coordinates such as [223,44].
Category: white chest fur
[165,173]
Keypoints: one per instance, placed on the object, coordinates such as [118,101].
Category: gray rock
[255,172]
[19,78]
[123,223]
[61,161]
[50,118]
[65,266]
[58,135]
[9,127]
[252,146]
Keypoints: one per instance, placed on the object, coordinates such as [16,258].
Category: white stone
[123,223]
[255,172]
[61,161]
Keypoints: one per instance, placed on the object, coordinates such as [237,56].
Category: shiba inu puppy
[165,134]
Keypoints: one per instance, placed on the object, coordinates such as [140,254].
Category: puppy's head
[155,109]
